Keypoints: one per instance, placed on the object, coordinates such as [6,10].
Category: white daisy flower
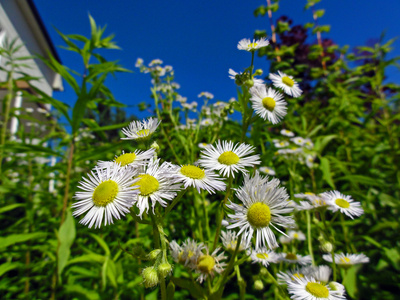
[262,209]
[281,144]
[209,264]
[227,158]
[191,251]
[264,256]
[286,83]
[296,235]
[140,130]
[202,145]
[249,183]
[295,258]
[310,160]
[207,95]
[201,179]
[290,275]
[139,62]
[345,204]
[268,104]
[181,99]
[155,183]
[132,159]
[347,260]
[284,239]
[229,240]
[206,122]
[107,193]
[287,133]
[314,201]
[298,140]
[267,170]
[156,61]
[310,289]
[308,143]
[176,251]
[248,45]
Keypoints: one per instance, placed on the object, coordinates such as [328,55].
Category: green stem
[333,264]
[221,213]
[174,202]
[309,239]
[345,232]
[277,284]
[241,282]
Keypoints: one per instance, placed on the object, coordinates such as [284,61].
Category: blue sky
[199,38]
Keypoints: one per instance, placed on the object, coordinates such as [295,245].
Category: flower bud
[249,83]
[263,271]
[326,247]
[258,285]
[155,146]
[153,254]
[150,277]
[164,269]
[258,72]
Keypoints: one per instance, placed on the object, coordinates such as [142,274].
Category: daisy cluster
[295,147]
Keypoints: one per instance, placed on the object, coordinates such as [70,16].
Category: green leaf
[326,171]
[8,266]
[27,148]
[20,238]
[78,112]
[10,207]
[350,281]
[362,179]
[84,293]
[102,243]
[319,13]
[194,289]
[87,258]
[66,237]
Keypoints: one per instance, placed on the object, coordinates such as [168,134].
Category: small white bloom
[295,258]
[139,130]
[139,62]
[209,264]
[287,133]
[228,158]
[338,287]
[298,140]
[206,122]
[202,145]
[230,239]
[347,260]
[248,45]
[206,95]
[264,256]
[132,159]
[268,104]
[308,143]
[345,204]
[286,83]
[268,170]
[155,62]
[281,144]
[201,179]
[296,235]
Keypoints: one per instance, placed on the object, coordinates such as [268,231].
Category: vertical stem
[333,264]
[309,240]
[68,176]
[273,33]
[6,116]
[319,40]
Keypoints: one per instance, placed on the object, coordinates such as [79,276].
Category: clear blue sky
[199,38]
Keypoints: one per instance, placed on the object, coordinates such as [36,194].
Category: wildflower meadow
[290,190]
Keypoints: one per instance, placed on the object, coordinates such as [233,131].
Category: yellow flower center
[291,256]
[206,263]
[342,203]
[147,184]
[143,132]
[288,81]
[193,172]
[105,193]
[297,275]
[345,260]
[259,215]
[228,158]
[308,193]
[262,255]
[125,159]
[269,104]
[296,236]
[253,45]
[317,290]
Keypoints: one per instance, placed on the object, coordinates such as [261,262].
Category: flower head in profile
[140,130]
[264,256]
[201,179]
[206,95]
[262,208]
[248,45]
[132,159]
[155,183]
[347,260]
[268,104]
[268,170]
[290,275]
[287,133]
[286,83]
[228,158]
[107,193]
[345,204]
[311,289]
[240,78]
[294,258]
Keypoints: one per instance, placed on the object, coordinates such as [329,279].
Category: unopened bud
[164,269]
[155,146]
[326,247]
[150,277]
[258,72]
[258,285]
[249,83]
[263,271]
[153,254]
